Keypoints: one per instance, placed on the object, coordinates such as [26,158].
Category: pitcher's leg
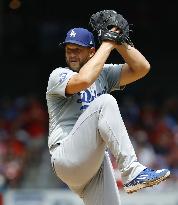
[81,154]
[102,189]
[134,175]
[114,133]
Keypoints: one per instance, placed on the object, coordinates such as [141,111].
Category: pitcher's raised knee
[107,100]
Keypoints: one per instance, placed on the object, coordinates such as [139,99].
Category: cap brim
[75,42]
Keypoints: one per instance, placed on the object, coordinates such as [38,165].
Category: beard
[75,65]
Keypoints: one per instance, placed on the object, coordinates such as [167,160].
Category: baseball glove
[104,21]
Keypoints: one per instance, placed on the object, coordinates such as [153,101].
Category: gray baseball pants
[81,160]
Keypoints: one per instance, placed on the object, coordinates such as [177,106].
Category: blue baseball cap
[80,36]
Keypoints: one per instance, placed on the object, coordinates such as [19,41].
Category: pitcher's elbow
[146,68]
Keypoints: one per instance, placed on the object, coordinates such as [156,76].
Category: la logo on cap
[72,33]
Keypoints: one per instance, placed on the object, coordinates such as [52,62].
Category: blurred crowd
[152,126]
[23,131]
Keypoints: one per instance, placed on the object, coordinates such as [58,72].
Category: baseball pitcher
[84,118]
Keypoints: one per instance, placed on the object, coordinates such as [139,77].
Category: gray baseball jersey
[64,111]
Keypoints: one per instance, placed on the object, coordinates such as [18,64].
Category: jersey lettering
[86,97]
